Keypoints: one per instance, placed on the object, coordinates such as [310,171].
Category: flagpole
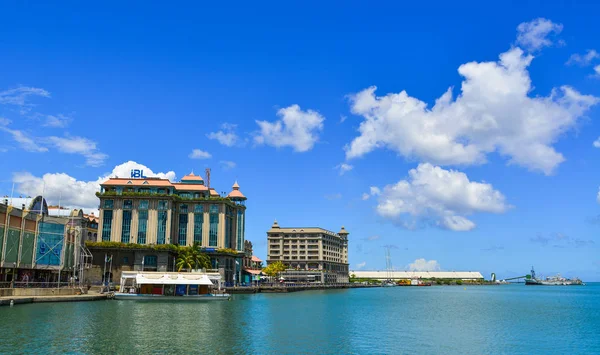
[11,194]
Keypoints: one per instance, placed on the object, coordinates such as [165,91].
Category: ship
[552,281]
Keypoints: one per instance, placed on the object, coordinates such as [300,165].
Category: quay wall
[37,292]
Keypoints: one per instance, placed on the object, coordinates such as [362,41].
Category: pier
[285,288]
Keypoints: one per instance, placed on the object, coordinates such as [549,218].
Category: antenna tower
[208,177]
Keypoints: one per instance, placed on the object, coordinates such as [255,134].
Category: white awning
[166,279]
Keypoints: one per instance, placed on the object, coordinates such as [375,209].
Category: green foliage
[119,245]
[446,282]
[274,269]
[192,258]
[228,251]
[459,282]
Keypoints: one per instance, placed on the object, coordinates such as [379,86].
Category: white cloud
[19,96]
[597,71]
[296,128]
[343,118]
[493,113]
[23,139]
[424,265]
[598,196]
[534,35]
[74,193]
[444,197]
[226,136]
[58,121]
[227,165]
[199,154]
[597,143]
[344,168]
[81,146]
[583,59]
[361,265]
[373,191]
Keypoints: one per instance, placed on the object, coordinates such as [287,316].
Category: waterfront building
[38,244]
[311,254]
[252,265]
[155,211]
[383,275]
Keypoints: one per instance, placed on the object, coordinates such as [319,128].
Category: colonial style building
[311,254]
[151,211]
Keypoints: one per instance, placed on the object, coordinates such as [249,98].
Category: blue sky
[498,176]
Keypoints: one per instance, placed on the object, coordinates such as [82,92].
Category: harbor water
[507,319]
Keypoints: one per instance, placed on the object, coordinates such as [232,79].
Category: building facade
[37,246]
[311,254]
[153,211]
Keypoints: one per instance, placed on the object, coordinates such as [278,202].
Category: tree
[200,260]
[274,269]
[185,260]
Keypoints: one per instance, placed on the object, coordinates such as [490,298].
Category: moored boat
[192,286]
[552,281]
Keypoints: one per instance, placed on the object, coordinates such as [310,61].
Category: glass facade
[198,222]
[162,227]
[50,243]
[228,226]
[240,230]
[142,221]
[126,227]
[213,231]
[183,223]
[108,204]
[107,225]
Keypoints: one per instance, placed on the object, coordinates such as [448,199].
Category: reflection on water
[482,320]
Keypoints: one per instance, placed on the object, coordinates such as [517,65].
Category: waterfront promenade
[5,301]
[292,287]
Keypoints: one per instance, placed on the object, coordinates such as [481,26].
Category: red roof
[255,258]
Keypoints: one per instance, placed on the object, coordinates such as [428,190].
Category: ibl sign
[137,174]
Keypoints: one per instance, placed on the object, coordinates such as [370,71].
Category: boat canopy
[171,279]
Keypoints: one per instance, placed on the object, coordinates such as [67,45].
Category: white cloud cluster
[535,35]
[493,113]
[81,146]
[373,191]
[199,154]
[444,197]
[226,136]
[424,265]
[296,128]
[597,143]
[583,59]
[57,121]
[73,193]
[23,139]
[361,265]
[19,96]
[344,168]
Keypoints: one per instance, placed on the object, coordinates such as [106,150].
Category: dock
[5,301]
[276,288]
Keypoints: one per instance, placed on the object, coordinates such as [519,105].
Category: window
[125,260]
[108,204]
[240,230]
[183,209]
[162,205]
[150,263]
[142,225]
[126,226]
[198,222]
[214,225]
[228,226]
[143,205]
[106,225]
[183,222]
[162,227]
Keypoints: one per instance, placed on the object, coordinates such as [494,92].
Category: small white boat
[171,286]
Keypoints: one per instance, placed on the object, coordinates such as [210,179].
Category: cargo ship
[552,281]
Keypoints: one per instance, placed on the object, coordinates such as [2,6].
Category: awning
[253,272]
[166,279]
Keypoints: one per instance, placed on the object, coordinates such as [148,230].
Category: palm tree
[185,260]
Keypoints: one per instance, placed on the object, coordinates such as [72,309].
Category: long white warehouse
[403,275]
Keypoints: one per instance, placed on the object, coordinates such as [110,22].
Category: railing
[31,284]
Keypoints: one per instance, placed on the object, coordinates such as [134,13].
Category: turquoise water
[512,319]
